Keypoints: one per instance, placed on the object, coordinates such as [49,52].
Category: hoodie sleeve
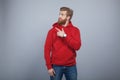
[74,40]
[47,49]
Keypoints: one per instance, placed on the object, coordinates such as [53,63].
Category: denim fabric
[70,72]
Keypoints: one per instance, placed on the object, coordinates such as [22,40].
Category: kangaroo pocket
[63,56]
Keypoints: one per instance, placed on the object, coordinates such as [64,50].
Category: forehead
[63,12]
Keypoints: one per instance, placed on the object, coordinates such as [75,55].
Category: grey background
[24,25]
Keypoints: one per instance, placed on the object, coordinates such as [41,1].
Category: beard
[61,21]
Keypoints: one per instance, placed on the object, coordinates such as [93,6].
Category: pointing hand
[60,33]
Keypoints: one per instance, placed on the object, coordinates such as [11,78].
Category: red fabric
[62,51]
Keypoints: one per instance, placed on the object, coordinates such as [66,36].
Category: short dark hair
[69,11]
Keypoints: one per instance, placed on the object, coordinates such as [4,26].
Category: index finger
[57,29]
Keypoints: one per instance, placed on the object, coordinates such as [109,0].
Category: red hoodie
[62,51]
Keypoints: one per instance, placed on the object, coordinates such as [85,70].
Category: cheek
[63,17]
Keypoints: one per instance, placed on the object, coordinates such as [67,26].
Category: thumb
[53,71]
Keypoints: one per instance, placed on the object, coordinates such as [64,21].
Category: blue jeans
[70,72]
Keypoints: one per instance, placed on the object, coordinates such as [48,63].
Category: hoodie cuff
[49,67]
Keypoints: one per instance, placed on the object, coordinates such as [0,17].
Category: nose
[60,16]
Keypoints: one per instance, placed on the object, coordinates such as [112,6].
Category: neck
[67,22]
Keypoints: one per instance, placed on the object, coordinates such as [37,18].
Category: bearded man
[60,47]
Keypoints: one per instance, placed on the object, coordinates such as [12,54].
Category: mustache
[60,19]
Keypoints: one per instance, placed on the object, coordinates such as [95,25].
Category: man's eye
[62,14]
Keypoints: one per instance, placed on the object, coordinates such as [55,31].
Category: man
[60,47]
